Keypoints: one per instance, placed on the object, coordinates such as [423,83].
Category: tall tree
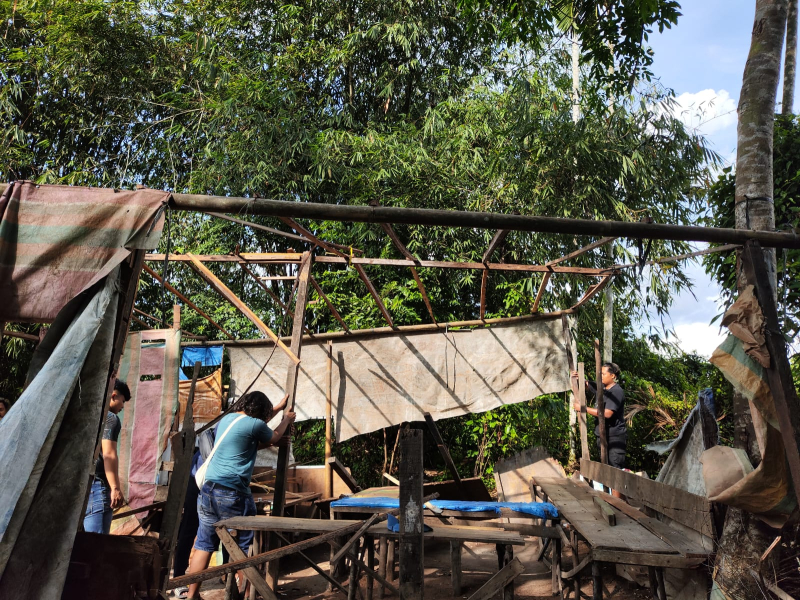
[745,538]
[790,60]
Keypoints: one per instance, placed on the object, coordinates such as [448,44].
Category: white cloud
[699,338]
[707,111]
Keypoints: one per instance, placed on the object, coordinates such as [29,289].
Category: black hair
[122,387]
[5,403]
[613,368]
[256,405]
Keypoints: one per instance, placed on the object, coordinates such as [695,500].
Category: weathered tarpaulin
[47,440]
[383,381]
[207,402]
[150,367]
[56,241]
[729,476]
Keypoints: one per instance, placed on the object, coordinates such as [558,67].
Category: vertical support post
[391,559]
[597,581]
[582,413]
[370,541]
[353,581]
[328,424]
[455,566]
[573,539]
[176,316]
[651,576]
[571,367]
[556,565]
[411,510]
[383,547]
[279,496]
[600,403]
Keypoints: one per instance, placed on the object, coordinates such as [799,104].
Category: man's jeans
[98,509]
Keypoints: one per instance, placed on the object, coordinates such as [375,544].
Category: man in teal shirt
[226,491]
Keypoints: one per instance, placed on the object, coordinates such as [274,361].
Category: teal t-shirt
[234,459]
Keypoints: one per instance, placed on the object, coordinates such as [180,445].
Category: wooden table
[635,539]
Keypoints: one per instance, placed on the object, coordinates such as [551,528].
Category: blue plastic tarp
[543,510]
[209,356]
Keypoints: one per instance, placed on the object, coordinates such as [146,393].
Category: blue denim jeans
[215,504]
[98,509]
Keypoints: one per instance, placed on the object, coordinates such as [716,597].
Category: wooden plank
[259,559]
[279,499]
[373,575]
[645,559]
[779,373]
[455,567]
[310,562]
[679,542]
[331,307]
[247,257]
[182,444]
[605,509]
[264,287]
[600,403]
[576,505]
[357,536]
[223,290]
[18,334]
[424,292]
[185,300]
[443,450]
[484,283]
[592,292]
[688,509]
[499,580]
[135,511]
[342,472]
[412,548]
[498,238]
[329,422]
[252,574]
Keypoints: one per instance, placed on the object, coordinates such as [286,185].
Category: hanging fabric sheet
[56,241]
[150,368]
[385,380]
[207,402]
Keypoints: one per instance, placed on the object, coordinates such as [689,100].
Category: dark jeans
[98,510]
[217,503]
[187,531]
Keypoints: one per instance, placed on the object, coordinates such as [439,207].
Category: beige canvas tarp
[386,380]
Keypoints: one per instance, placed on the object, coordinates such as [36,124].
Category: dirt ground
[479,563]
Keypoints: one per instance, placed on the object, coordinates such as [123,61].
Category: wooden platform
[450,533]
[635,539]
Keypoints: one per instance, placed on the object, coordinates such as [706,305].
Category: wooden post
[573,383]
[370,541]
[597,581]
[279,494]
[651,576]
[328,424]
[455,566]
[411,522]
[353,581]
[573,538]
[779,374]
[443,450]
[182,452]
[176,316]
[383,543]
[582,414]
[600,403]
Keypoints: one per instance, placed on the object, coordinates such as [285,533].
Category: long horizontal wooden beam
[479,220]
[241,258]
[224,291]
[185,300]
[392,262]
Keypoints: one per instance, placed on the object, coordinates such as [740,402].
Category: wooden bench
[632,536]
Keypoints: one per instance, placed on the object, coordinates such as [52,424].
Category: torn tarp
[56,241]
[209,356]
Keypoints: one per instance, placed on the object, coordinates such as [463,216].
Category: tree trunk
[790,60]
[744,537]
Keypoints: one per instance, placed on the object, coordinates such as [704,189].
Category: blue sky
[702,59]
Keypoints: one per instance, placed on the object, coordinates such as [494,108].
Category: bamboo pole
[328,425]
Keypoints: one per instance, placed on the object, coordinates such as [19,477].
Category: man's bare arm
[279,407]
[111,464]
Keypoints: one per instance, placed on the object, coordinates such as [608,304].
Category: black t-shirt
[615,400]
[110,432]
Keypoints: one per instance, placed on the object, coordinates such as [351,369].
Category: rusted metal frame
[278,231]
[668,259]
[407,253]
[223,290]
[149,316]
[591,292]
[286,309]
[580,251]
[314,239]
[484,284]
[361,273]
[540,293]
[186,301]
[499,238]
[142,323]
[332,308]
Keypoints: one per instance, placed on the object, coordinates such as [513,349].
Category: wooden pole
[412,572]
[600,403]
[328,425]
[582,414]
[573,382]
[279,494]
[176,316]
[443,450]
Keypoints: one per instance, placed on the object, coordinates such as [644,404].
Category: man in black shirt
[106,494]
[616,431]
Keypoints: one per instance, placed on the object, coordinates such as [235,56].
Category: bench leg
[390,560]
[597,581]
[662,592]
[353,582]
[556,567]
[651,576]
[575,560]
[383,543]
[455,567]
[370,541]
